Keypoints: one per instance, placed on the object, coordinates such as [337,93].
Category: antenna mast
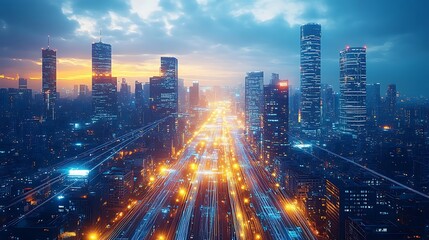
[48,40]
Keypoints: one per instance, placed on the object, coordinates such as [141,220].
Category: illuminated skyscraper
[164,102]
[104,97]
[49,81]
[353,90]
[164,89]
[310,79]
[276,120]
[254,102]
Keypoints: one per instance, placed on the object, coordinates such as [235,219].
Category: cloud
[292,11]
[145,8]
[216,41]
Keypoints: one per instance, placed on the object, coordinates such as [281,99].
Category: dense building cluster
[309,138]
[354,161]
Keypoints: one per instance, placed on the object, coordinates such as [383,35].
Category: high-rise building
[328,105]
[182,96]
[194,94]
[125,92]
[390,104]
[22,83]
[75,90]
[104,97]
[83,90]
[373,104]
[139,102]
[347,199]
[169,69]
[163,89]
[253,91]
[49,81]
[276,120]
[118,186]
[310,79]
[164,102]
[275,77]
[353,90]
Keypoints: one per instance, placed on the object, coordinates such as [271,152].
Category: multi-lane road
[215,190]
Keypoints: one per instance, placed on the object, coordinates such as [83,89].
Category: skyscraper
[276,120]
[194,94]
[328,105]
[373,102]
[390,104]
[22,83]
[83,90]
[353,90]
[345,198]
[49,81]
[139,102]
[164,101]
[164,89]
[104,97]
[310,79]
[253,92]
[275,77]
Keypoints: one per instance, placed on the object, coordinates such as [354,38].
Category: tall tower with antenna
[49,81]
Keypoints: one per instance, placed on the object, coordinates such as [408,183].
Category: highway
[216,189]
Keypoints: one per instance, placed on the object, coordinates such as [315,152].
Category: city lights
[215,120]
[78,172]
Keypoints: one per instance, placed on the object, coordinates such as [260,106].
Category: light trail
[224,196]
[125,141]
[373,172]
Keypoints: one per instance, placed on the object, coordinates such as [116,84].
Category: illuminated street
[205,120]
[215,190]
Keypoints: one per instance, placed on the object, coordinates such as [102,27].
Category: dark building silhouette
[310,79]
[276,120]
[139,102]
[83,90]
[194,94]
[358,229]
[373,104]
[328,105]
[22,83]
[345,198]
[390,104]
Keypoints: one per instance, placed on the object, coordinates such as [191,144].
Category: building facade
[194,94]
[353,91]
[276,120]
[253,103]
[310,79]
[164,103]
[49,82]
[104,86]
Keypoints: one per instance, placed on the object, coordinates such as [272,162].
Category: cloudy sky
[216,42]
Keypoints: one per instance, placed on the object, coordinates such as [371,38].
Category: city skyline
[237,131]
[140,37]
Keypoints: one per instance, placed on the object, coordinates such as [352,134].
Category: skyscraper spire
[100,35]
[48,40]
